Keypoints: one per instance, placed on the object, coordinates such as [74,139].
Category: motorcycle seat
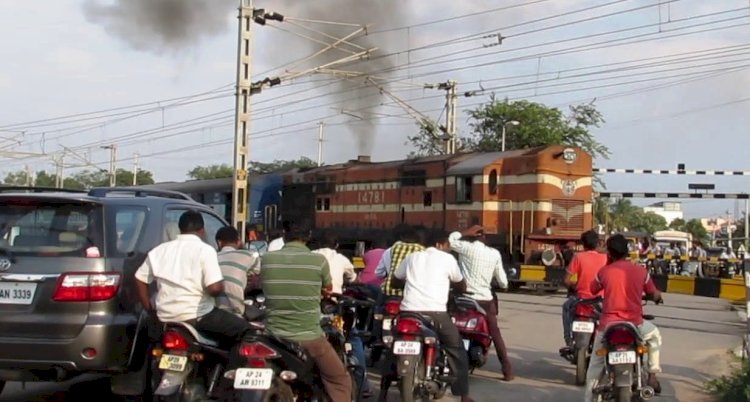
[624,324]
[428,321]
[469,303]
[200,338]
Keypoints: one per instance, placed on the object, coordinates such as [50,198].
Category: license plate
[17,292]
[583,326]
[386,324]
[626,357]
[406,348]
[172,363]
[245,378]
[466,344]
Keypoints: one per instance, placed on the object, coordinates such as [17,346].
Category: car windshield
[50,228]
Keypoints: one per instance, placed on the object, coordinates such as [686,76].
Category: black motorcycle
[584,325]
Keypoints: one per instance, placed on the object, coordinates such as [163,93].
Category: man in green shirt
[293,279]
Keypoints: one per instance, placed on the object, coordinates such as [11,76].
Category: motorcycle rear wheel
[580,366]
[279,392]
[624,394]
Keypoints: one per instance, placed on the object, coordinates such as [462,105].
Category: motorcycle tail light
[392,307]
[429,340]
[408,326]
[257,350]
[173,340]
[585,310]
[620,336]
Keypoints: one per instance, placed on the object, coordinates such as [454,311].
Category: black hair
[590,240]
[408,234]
[227,234]
[617,247]
[297,232]
[328,240]
[438,236]
[423,235]
[379,243]
[190,222]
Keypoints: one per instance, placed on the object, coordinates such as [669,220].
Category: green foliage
[211,172]
[280,166]
[622,215]
[693,226]
[80,180]
[732,388]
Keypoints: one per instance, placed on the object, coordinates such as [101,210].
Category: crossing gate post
[746,341]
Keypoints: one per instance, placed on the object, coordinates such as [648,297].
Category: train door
[270,217]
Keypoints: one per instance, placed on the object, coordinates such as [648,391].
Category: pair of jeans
[568,315]
[358,350]
[490,307]
[453,345]
[335,378]
[650,334]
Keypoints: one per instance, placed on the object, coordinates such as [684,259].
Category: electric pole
[320,144]
[451,103]
[29,177]
[242,118]
[59,171]
[112,163]
[135,169]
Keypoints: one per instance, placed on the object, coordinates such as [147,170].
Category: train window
[326,204]
[463,189]
[319,204]
[493,182]
[427,199]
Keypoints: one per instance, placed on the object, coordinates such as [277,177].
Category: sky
[156,78]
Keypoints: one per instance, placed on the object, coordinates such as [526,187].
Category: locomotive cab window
[493,182]
[427,199]
[323,204]
[463,188]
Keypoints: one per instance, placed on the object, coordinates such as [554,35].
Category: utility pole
[29,177]
[112,163]
[242,118]
[135,169]
[59,171]
[320,144]
[747,224]
[451,117]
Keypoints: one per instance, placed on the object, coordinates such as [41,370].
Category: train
[528,200]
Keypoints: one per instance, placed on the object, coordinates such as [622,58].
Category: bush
[732,388]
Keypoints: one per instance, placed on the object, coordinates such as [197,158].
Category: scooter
[471,321]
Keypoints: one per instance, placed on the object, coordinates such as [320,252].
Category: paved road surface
[698,335]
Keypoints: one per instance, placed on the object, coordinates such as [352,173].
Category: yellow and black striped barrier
[539,276]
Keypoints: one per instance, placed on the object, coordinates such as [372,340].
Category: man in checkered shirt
[479,264]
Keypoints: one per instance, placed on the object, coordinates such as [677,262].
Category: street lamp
[505,125]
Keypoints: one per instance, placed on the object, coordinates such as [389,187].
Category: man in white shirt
[278,240]
[342,270]
[426,277]
[479,265]
[188,278]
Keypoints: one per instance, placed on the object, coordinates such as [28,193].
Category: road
[698,334]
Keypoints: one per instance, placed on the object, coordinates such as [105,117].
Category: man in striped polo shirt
[293,280]
[237,266]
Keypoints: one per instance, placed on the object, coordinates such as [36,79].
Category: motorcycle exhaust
[647,392]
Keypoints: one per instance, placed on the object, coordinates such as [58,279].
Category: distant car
[67,263]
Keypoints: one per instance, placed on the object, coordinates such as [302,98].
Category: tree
[648,222]
[677,224]
[211,172]
[280,165]
[80,180]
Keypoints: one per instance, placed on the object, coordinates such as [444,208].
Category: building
[667,209]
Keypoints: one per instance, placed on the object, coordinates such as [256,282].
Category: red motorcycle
[584,332]
[471,321]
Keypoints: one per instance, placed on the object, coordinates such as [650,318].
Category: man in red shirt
[585,265]
[623,285]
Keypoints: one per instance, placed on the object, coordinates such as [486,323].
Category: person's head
[697,243]
[297,233]
[191,222]
[617,247]
[423,235]
[408,234]
[379,243]
[590,240]
[439,240]
[672,245]
[228,236]
[328,240]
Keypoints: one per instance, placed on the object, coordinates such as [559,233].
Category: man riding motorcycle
[426,277]
[585,266]
[623,285]
[293,279]
[480,264]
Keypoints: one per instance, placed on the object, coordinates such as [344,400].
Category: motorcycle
[188,366]
[277,369]
[584,332]
[625,371]
[471,321]
[384,320]
[421,362]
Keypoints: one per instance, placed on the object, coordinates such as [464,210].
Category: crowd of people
[206,287]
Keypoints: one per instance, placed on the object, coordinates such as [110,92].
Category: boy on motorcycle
[623,285]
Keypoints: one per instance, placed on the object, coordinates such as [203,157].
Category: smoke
[160,26]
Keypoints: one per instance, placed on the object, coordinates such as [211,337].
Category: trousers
[568,314]
[490,307]
[454,348]
[650,334]
[335,378]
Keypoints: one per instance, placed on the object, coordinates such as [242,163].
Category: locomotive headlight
[569,155]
